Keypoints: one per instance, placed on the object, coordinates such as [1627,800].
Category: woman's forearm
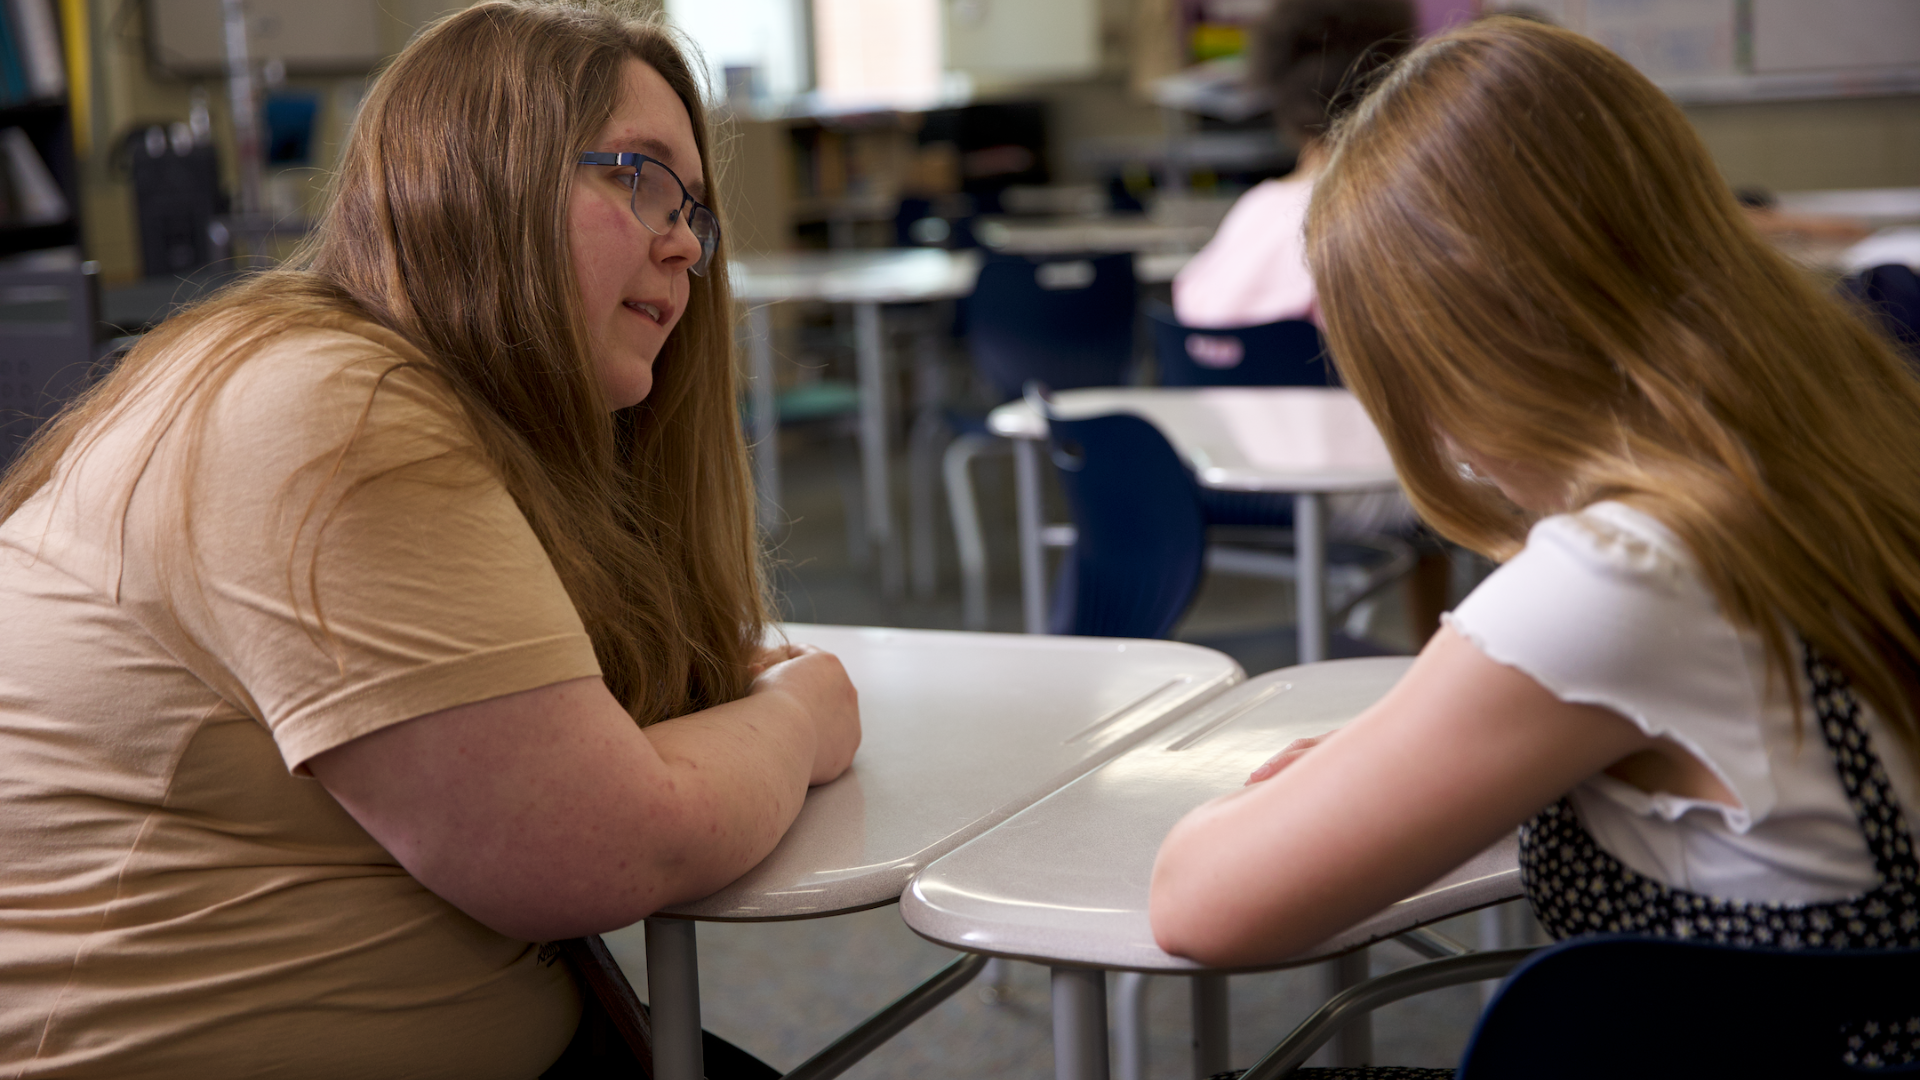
[548,814]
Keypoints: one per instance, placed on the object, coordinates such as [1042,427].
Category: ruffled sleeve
[1606,607]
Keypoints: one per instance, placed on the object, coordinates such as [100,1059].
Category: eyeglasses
[661,201]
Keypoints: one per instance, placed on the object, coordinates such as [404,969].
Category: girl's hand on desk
[770,655]
[1287,756]
[814,680]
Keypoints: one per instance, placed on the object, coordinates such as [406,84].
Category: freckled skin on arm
[549,814]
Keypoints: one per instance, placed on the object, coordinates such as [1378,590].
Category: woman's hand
[1288,754]
[815,682]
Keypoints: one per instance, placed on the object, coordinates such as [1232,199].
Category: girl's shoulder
[1615,541]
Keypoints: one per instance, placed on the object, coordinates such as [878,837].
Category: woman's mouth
[652,311]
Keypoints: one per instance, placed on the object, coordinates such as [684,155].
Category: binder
[37,39]
[13,76]
[38,195]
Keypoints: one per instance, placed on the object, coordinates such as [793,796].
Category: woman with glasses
[394,612]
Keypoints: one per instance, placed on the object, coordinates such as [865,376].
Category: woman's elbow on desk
[548,814]
[1204,907]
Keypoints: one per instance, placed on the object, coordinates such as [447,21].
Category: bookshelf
[39,175]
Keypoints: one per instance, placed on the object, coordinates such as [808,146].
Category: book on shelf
[31,68]
[35,195]
[36,36]
[13,74]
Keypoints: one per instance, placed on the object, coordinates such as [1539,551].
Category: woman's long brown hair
[1521,245]
[446,241]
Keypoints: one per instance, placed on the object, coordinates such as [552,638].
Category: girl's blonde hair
[446,240]
[1521,245]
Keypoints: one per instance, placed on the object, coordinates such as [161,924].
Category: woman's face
[633,284]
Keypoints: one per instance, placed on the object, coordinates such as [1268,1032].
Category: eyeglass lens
[659,200]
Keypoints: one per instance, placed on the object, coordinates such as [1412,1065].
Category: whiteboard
[1702,51]
[188,37]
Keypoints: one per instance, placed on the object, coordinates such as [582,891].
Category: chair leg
[923,460]
[966,524]
[1130,1025]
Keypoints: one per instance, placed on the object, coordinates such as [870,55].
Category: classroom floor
[784,990]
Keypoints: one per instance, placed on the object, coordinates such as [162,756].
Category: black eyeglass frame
[707,244]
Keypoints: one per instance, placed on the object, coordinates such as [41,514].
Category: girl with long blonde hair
[1697,669]
[389,614]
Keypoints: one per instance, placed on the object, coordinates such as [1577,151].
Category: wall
[1811,145]
[130,92]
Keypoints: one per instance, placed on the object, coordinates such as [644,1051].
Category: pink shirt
[1254,270]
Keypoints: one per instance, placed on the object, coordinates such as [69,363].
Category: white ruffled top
[1607,607]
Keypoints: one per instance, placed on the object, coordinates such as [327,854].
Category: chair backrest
[1140,535]
[49,322]
[1893,293]
[1285,353]
[1066,321]
[1614,1005]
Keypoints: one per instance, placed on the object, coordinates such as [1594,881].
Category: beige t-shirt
[176,897]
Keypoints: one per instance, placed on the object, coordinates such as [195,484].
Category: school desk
[960,731]
[1064,882]
[1309,442]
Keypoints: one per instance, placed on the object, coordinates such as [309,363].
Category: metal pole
[848,1049]
[246,110]
[1310,550]
[1212,1042]
[765,414]
[1079,1024]
[1130,1025]
[1033,565]
[673,994]
[870,349]
[1352,1045]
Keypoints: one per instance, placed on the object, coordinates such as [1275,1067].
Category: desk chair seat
[1613,1006]
[1891,292]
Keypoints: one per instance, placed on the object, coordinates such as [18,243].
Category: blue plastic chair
[1140,537]
[1066,321]
[1614,1005]
[1652,1008]
[1891,292]
[1286,353]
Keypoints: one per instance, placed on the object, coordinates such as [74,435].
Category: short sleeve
[353,562]
[1606,607]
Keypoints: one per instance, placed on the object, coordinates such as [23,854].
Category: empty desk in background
[1065,882]
[865,280]
[1305,441]
[960,732]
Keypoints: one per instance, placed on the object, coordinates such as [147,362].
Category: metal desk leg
[1310,551]
[1130,1026]
[673,995]
[766,415]
[1033,563]
[1079,1024]
[870,349]
[1212,1042]
[1353,1044]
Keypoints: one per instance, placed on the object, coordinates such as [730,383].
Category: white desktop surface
[1065,881]
[1285,439]
[961,730]
[881,276]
